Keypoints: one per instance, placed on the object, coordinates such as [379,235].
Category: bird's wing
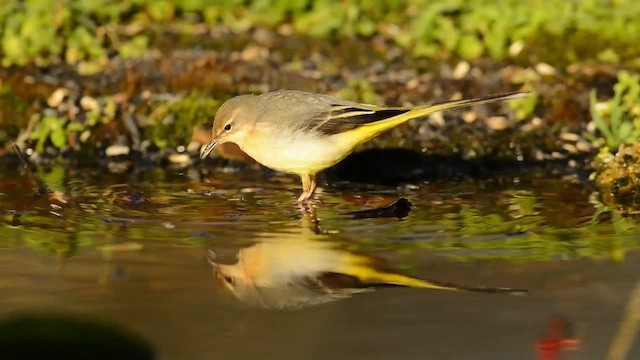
[303,291]
[304,111]
[341,118]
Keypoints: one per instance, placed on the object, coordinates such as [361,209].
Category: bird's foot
[304,197]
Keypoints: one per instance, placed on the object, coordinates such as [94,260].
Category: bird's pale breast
[295,152]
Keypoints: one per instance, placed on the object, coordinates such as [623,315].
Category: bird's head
[232,122]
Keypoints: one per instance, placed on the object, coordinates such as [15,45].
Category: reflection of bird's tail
[368,274]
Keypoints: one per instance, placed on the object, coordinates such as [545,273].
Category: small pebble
[117,150]
[412,84]
[583,146]
[570,148]
[437,119]
[516,48]
[461,70]
[469,116]
[182,158]
[254,52]
[545,69]
[497,122]
[84,136]
[567,136]
[89,103]
[249,190]
[57,97]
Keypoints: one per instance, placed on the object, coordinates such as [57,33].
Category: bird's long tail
[368,274]
[372,129]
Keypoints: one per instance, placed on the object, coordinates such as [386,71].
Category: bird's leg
[312,186]
[308,185]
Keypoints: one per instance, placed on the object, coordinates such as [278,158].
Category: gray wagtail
[304,133]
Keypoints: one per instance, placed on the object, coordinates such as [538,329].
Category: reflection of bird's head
[280,274]
[231,280]
[228,278]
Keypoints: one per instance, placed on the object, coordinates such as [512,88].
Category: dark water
[131,249]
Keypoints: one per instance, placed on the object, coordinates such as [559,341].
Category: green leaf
[74,127]
[470,47]
[58,138]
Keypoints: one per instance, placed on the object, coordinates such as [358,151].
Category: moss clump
[618,177]
[174,123]
[13,115]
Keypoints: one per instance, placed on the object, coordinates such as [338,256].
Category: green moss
[13,115]
[174,123]
[618,178]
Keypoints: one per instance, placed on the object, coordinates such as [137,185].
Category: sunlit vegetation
[618,119]
[89,33]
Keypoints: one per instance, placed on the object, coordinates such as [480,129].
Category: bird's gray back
[292,109]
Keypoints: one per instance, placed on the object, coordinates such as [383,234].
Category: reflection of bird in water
[299,271]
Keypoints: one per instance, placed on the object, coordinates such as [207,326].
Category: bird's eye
[227,127]
[229,280]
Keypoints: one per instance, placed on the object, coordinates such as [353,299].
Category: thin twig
[42,189]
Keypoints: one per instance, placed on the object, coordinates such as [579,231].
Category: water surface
[131,249]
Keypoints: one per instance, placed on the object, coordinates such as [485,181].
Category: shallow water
[131,249]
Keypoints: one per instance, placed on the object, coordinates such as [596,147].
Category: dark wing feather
[341,118]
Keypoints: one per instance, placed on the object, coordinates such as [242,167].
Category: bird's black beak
[211,259]
[208,149]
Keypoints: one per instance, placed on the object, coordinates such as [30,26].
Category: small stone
[591,127]
[412,84]
[570,148]
[537,122]
[497,122]
[437,119]
[286,29]
[182,158]
[557,155]
[249,190]
[84,136]
[545,69]
[538,155]
[117,150]
[516,48]
[57,97]
[469,116]
[89,103]
[567,136]
[461,70]
[253,53]
[583,146]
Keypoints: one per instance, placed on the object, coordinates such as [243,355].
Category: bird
[303,133]
[292,271]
